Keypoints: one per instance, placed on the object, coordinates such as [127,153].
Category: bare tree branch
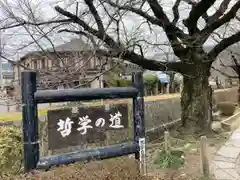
[153,20]
[218,23]
[95,15]
[193,4]
[106,38]
[168,27]
[223,73]
[81,33]
[176,12]
[20,24]
[220,11]
[223,45]
[196,12]
[148,63]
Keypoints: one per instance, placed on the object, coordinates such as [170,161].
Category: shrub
[226,108]
[11,150]
[119,83]
[150,80]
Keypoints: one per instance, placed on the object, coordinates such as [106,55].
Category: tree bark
[239,89]
[171,82]
[196,100]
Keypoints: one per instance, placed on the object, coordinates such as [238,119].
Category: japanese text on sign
[65,126]
[84,125]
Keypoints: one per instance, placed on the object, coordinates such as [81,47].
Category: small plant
[226,108]
[171,159]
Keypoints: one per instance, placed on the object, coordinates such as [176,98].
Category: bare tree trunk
[210,110]
[8,107]
[239,89]
[171,82]
[195,101]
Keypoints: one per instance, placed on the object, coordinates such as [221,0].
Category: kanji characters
[65,127]
[84,122]
[115,120]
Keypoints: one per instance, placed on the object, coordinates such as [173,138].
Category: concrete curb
[227,123]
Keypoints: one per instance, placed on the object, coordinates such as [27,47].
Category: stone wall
[165,114]
[226,95]
[157,113]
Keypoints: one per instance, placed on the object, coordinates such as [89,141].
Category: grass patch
[172,159]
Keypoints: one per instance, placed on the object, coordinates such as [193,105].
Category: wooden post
[168,88]
[8,106]
[142,156]
[181,87]
[166,141]
[107,107]
[44,148]
[203,156]
[30,121]
[138,121]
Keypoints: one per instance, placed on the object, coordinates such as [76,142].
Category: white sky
[15,38]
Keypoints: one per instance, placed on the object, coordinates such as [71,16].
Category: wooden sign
[84,125]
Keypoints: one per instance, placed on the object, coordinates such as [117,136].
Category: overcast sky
[16,38]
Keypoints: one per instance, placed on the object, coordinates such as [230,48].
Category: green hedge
[119,83]
[149,81]
[11,150]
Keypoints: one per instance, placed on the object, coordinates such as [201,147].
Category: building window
[34,64]
[43,63]
[55,62]
[66,60]
[98,61]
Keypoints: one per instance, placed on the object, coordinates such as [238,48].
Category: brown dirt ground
[191,169]
[125,168]
[113,169]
